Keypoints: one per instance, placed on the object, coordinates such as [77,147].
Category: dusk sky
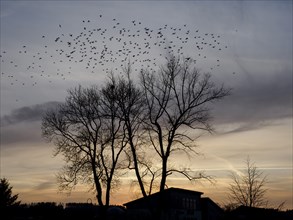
[48,47]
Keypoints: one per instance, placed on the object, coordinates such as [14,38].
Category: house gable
[171,198]
[172,203]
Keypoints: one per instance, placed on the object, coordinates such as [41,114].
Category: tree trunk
[136,168]
[108,190]
[164,174]
[99,190]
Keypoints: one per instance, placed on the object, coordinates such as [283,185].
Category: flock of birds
[106,48]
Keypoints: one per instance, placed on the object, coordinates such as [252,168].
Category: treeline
[253,213]
[89,211]
[52,210]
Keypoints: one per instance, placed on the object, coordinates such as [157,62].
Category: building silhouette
[174,204]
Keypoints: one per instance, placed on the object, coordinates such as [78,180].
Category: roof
[169,190]
[207,201]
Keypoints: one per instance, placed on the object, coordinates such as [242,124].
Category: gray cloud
[256,100]
[23,124]
[27,113]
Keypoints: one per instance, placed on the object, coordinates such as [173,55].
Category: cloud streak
[27,114]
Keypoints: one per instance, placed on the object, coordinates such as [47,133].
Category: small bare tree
[114,139]
[248,189]
[131,111]
[86,131]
